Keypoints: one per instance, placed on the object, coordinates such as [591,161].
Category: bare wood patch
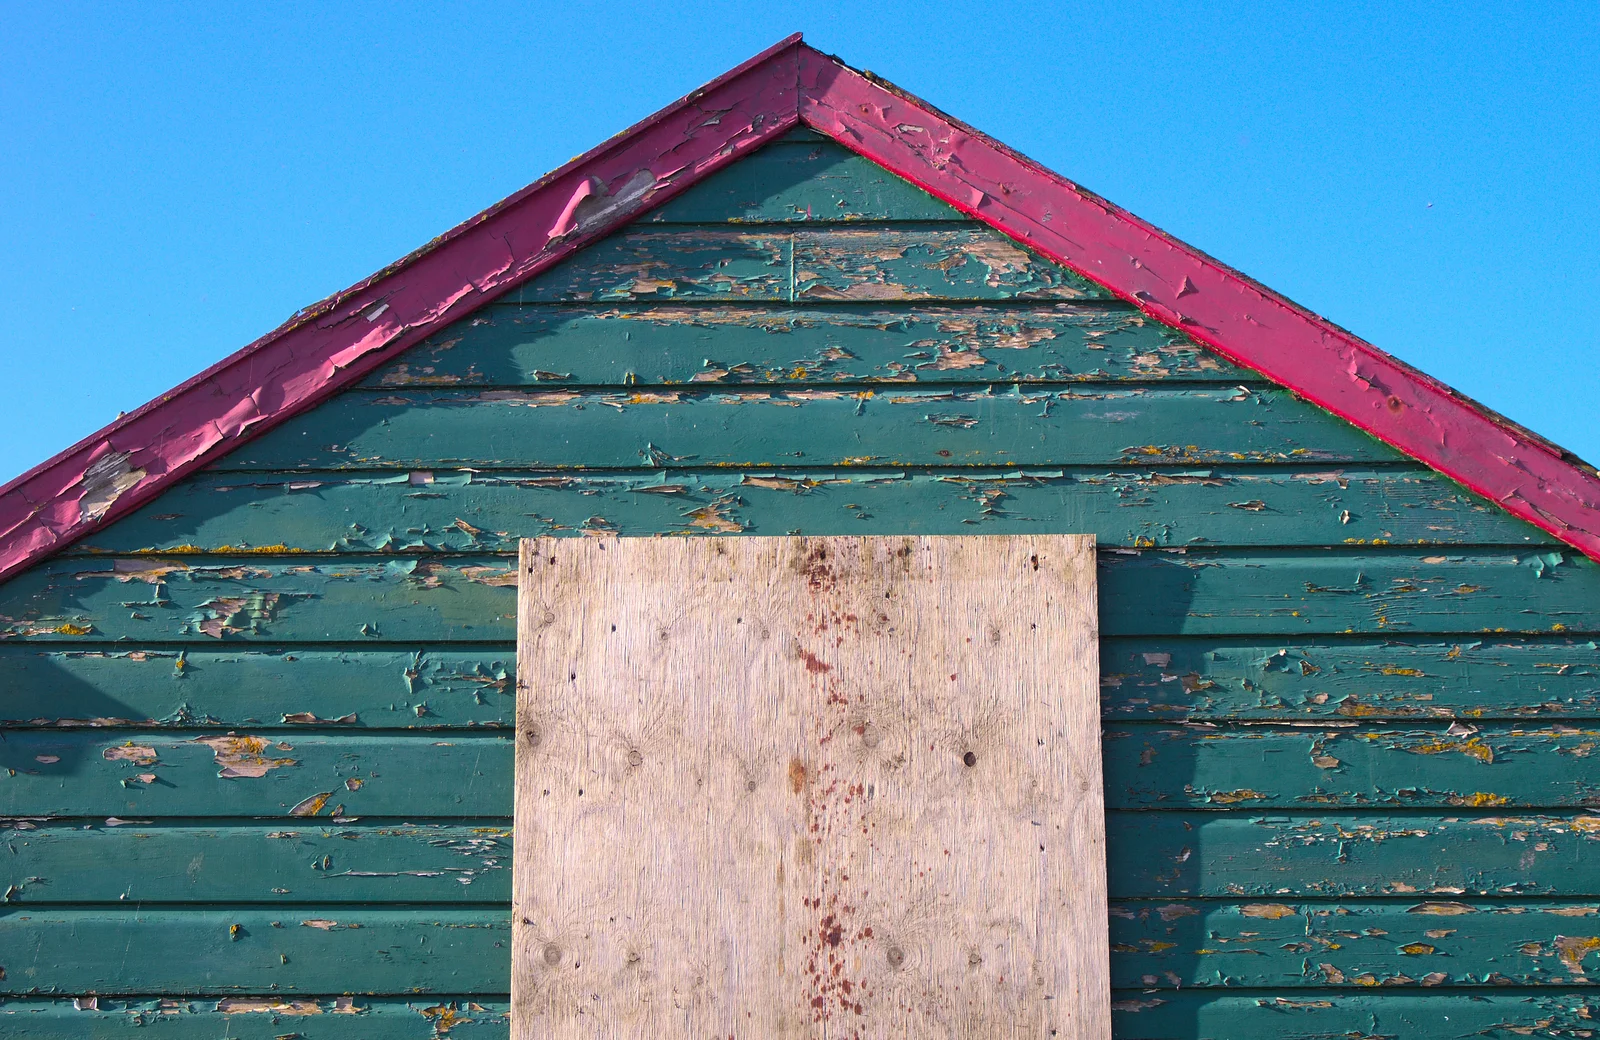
[809,786]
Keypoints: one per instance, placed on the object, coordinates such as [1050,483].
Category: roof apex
[336,342]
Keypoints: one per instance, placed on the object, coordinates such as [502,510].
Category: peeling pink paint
[1175,283]
[339,340]
[335,343]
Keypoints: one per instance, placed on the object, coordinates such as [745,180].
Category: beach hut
[257,637]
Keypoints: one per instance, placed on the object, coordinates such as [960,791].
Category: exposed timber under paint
[1420,945]
[344,338]
[1136,1015]
[431,509]
[1192,854]
[287,692]
[301,687]
[338,341]
[1372,766]
[1279,594]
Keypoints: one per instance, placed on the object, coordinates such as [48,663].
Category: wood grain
[727,344]
[803,178]
[1295,594]
[378,511]
[1342,1013]
[942,260]
[1203,854]
[764,427]
[809,787]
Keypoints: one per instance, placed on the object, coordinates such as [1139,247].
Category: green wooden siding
[256,752]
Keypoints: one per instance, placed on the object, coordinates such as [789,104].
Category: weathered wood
[1259,767]
[465,511]
[1354,764]
[1490,678]
[291,861]
[1295,636]
[280,950]
[263,598]
[1183,287]
[970,426]
[1141,678]
[1427,943]
[1347,1015]
[1150,855]
[1395,594]
[801,180]
[302,1017]
[1405,595]
[1194,854]
[632,344]
[287,776]
[937,261]
[358,688]
[1201,1015]
[727,820]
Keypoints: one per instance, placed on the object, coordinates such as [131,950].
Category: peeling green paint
[254,752]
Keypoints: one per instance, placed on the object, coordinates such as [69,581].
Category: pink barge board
[336,342]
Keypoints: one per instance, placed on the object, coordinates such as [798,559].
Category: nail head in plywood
[806,787]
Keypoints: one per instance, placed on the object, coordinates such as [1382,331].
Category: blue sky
[178,179]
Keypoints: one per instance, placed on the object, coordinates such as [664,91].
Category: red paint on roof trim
[1231,313]
[336,342]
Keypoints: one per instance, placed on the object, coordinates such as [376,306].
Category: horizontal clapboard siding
[806,179]
[969,426]
[934,261]
[1154,855]
[89,772]
[296,949]
[1279,593]
[511,346]
[360,686]
[256,751]
[1247,1015]
[462,512]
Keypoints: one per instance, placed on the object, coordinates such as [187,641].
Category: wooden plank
[1393,593]
[287,862]
[357,688]
[340,339]
[330,1017]
[1181,285]
[426,600]
[936,261]
[1169,855]
[1303,948]
[1166,766]
[230,951]
[1165,855]
[1256,1015]
[974,426]
[1353,764]
[1491,678]
[380,511]
[701,718]
[286,776]
[1427,943]
[262,598]
[1142,678]
[801,180]
[1374,766]
[624,345]
[1334,1013]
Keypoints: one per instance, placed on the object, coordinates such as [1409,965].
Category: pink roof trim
[338,341]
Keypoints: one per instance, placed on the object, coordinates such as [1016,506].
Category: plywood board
[809,787]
